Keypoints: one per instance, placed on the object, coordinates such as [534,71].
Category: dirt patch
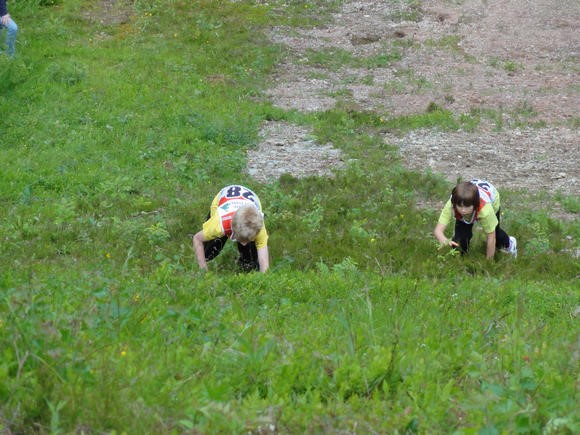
[514,61]
[110,12]
[291,149]
[502,54]
[516,158]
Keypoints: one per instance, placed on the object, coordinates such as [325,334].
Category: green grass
[114,139]
[334,59]
[173,351]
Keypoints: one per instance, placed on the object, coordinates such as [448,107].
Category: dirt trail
[515,62]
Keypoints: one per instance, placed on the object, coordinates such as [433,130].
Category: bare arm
[198,240]
[490,251]
[439,234]
[263,259]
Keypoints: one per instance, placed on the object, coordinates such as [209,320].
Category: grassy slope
[115,137]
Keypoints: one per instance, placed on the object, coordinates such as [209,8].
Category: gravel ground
[516,60]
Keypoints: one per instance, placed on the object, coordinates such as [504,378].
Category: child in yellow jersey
[235,214]
[471,201]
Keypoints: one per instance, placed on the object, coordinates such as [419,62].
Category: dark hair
[465,194]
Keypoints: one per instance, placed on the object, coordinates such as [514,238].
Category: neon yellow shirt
[486,215]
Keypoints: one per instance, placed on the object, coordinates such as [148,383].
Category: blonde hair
[247,223]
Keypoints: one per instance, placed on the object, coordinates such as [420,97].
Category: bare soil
[291,149]
[109,12]
[514,62]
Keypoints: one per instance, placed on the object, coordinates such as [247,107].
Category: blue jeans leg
[11,31]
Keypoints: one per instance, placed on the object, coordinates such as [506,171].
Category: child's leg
[213,247]
[502,240]
[463,234]
[248,260]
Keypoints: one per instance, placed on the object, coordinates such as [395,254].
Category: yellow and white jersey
[223,207]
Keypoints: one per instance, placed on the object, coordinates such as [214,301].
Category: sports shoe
[247,265]
[512,249]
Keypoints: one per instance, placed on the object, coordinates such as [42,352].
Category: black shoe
[247,266]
